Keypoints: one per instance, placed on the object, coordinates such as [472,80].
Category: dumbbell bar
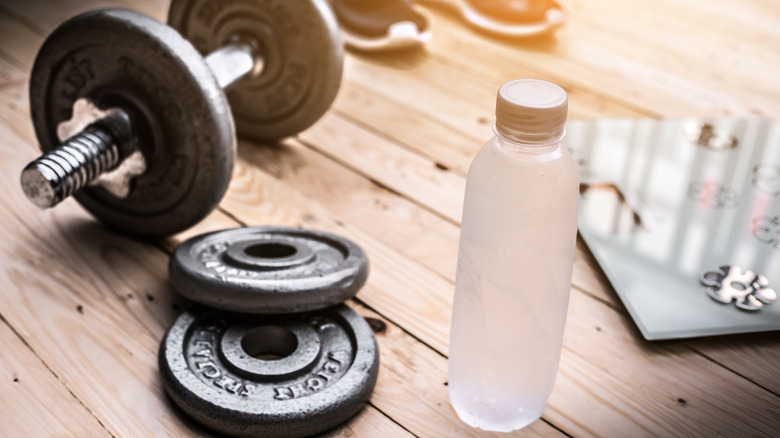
[161,101]
[104,144]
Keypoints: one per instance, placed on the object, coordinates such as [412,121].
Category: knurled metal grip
[59,173]
[174,112]
[166,103]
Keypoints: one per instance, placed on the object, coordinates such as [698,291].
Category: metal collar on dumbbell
[268,269]
[269,376]
[124,62]
[281,61]
[302,54]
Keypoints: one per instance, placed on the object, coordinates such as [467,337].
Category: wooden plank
[96,305]
[15,115]
[403,171]
[9,74]
[398,393]
[420,305]
[256,198]
[432,242]
[422,88]
[216,221]
[44,16]
[747,355]
[28,390]
[639,425]
[620,385]
[412,94]
[734,81]
[407,126]
[727,36]
[130,267]
[393,220]
[18,42]
[368,422]
[398,98]
[273,201]
[416,85]
[424,81]
[425,411]
[276,212]
[388,116]
[572,57]
[86,302]
[125,291]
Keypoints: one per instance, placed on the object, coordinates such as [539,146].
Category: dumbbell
[116,93]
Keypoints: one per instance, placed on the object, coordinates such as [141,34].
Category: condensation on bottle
[515,260]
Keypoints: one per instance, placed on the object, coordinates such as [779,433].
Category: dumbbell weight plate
[121,58]
[302,56]
[268,270]
[269,376]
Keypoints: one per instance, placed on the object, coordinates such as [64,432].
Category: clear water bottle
[515,262]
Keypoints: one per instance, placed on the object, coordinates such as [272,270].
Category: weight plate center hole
[270,250]
[270,342]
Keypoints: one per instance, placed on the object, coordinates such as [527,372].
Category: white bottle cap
[531,106]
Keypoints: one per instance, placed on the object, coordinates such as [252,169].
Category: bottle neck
[533,142]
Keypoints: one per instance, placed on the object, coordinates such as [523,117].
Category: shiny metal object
[749,290]
[174,115]
[766,177]
[699,208]
[234,61]
[269,376]
[766,230]
[89,155]
[268,270]
[77,162]
[302,59]
[91,151]
[282,61]
[118,181]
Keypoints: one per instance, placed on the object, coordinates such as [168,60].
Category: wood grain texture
[395,221]
[386,168]
[29,390]
[79,296]
[94,306]
[593,330]
[9,74]
[631,72]
[20,41]
[98,312]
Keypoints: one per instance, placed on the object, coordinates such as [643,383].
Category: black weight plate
[302,54]
[268,270]
[121,58]
[269,376]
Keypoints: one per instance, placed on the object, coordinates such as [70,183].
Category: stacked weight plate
[270,350]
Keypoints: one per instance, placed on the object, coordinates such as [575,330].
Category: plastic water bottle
[515,262]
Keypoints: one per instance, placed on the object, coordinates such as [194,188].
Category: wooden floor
[83,309]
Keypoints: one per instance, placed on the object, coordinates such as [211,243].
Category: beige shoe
[514,18]
[373,25]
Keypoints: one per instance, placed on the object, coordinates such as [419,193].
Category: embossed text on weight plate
[206,365]
[316,381]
